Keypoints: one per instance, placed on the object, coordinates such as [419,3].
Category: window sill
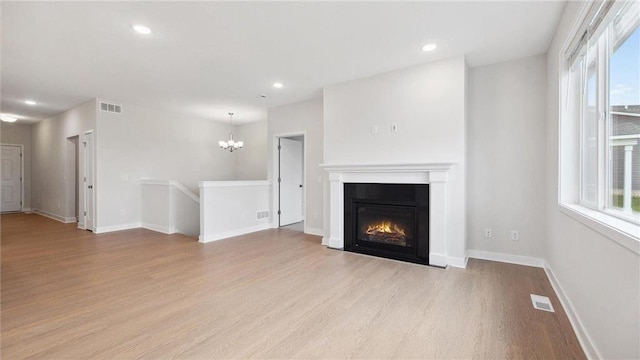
[622,232]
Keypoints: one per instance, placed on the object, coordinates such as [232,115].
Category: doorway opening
[291,189]
[12,189]
[72,176]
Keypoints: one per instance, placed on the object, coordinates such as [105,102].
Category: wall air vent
[113,108]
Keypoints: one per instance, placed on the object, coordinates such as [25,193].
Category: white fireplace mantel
[434,174]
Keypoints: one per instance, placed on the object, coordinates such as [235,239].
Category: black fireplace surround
[387,220]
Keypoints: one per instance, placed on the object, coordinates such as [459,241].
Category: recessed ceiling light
[29,102]
[142,29]
[7,118]
[277,85]
[429,47]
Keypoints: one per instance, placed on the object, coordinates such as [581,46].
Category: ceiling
[209,58]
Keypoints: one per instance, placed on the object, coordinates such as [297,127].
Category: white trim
[313,231]
[325,241]
[81,225]
[399,167]
[27,210]
[444,260]
[456,261]
[119,227]
[70,220]
[619,231]
[275,167]
[588,346]
[158,228]
[22,176]
[507,258]
[208,184]
[49,215]
[175,183]
[178,185]
[156,182]
[94,177]
[227,234]
[434,174]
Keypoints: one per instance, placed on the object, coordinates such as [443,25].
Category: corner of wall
[578,328]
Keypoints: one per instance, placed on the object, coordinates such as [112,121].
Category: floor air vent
[541,303]
[111,108]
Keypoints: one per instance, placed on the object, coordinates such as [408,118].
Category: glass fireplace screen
[386,224]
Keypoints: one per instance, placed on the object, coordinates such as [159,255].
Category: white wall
[506,142]
[427,103]
[145,143]
[169,207]
[49,160]
[230,208]
[20,134]
[297,118]
[251,161]
[600,279]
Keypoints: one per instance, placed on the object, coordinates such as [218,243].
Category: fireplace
[387,220]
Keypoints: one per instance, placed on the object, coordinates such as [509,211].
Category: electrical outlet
[374,129]
[487,233]
[515,236]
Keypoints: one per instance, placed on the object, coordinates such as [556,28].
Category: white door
[11,178]
[89,198]
[291,167]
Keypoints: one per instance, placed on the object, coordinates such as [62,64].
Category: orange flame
[385,227]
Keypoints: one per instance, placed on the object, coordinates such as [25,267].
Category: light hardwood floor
[70,294]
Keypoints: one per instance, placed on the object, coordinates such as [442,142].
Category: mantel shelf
[397,167]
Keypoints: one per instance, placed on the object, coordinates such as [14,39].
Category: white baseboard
[158,228]
[506,258]
[27,210]
[444,260]
[81,225]
[313,231]
[186,232]
[325,241]
[458,262]
[62,219]
[49,215]
[119,227]
[583,337]
[227,234]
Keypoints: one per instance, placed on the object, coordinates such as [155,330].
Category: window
[602,108]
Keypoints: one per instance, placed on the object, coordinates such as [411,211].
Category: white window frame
[619,226]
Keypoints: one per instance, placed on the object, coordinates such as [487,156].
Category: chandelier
[231,144]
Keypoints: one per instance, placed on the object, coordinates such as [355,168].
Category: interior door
[89,191]
[291,168]
[11,178]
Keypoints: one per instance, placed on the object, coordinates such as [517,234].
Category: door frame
[275,204]
[76,179]
[22,208]
[83,182]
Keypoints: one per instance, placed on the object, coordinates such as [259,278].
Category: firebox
[388,220]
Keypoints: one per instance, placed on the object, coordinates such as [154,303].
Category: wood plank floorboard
[71,294]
